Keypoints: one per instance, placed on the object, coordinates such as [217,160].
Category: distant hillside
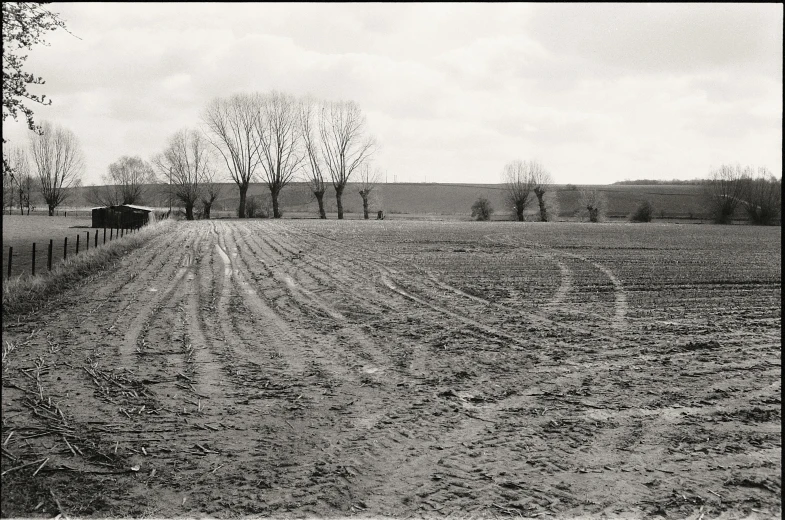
[669,201]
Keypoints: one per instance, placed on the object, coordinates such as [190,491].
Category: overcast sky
[596,92]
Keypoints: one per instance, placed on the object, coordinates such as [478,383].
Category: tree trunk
[243,193]
[320,199]
[51,210]
[189,212]
[365,205]
[276,211]
[543,211]
[339,203]
[519,213]
[206,211]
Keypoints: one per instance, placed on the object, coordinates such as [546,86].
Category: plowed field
[405,369]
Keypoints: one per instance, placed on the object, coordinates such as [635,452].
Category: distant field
[455,200]
[20,232]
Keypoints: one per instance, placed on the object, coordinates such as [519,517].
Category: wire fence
[39,257]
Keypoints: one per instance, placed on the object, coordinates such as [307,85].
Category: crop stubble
[406,368]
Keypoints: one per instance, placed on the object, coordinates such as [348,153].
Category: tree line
[273,137]
[724,191]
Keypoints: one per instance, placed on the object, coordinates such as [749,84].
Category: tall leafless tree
[725,190]
[18,182]
[58,162]
[231,128]
[519,183]
[368,179]
[345,147]
[25,187]
[278,132]
[187,158]
[126,182]
[541,179]
[314,166]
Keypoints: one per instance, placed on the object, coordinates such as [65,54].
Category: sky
[596,93]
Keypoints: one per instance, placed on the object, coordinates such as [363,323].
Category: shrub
[643,213]
[253,207]
[481,209]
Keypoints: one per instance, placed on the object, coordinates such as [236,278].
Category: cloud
[600,91]
[664,38]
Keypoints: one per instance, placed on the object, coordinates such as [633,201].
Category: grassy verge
[22,295]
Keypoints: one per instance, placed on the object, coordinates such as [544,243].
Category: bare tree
[314,167]
[18,183]
[58,162]
[211,190]
[187,158]
[345,147]
[278,133]
[519,183]
[541,179]
[8,182]
[595,203]
[725,190]
[125,182]
[368,179]
[231,129]
[24,190]
[763,198]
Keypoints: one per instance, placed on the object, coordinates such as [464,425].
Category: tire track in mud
[147,313]
[274,332]
[435,302]
[375,363]
[105,291]
[621,305]
[366,407]
[388,443]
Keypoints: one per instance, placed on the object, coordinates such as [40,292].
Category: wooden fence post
[49,257]
[96,238]
[33,258]
[104,235]
[111,232]
[65,248]
[10,259]
[77,245]
[87,242]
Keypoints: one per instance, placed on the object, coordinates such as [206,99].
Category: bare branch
[231,129]
[278,132]
[59,163]
[344,145]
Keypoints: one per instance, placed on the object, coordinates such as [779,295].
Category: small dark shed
[123,216]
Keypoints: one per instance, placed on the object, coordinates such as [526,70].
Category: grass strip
[25,294]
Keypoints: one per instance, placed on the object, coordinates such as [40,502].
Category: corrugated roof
[132,206]
[144,208]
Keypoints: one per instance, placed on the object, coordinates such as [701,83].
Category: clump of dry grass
[22,295]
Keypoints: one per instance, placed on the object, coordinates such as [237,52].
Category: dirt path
[303,368]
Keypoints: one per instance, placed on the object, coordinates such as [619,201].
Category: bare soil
[405,369]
